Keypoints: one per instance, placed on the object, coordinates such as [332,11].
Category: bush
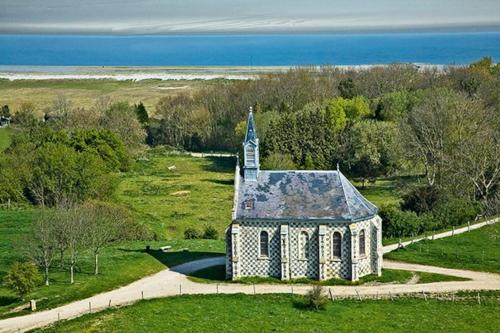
[420,199]
[191,233]
[398,223]
[22,278]
[456,212]
[316,299]
[210,232]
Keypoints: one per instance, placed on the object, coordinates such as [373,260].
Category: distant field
[4,138]
[477,250]
[83,93]
[198,193]
[121,264]
[285,313]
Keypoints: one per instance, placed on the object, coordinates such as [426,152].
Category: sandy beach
[158,73]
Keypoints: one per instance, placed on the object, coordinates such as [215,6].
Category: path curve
[170,282]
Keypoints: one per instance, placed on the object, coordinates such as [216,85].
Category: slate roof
[301,195]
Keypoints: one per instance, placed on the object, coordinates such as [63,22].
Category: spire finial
[250,109]
[338,168]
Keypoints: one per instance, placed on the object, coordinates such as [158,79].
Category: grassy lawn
[285,313]
[217,274]
[384,191]
[198,193]
[477,250]
[4,138]
[120,264]
[83,93]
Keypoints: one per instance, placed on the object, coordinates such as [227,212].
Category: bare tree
[42,245]
[103,225]
[75,239]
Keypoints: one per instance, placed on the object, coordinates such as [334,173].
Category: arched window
[337,245]
[304,245]
[362,247]
[264,244]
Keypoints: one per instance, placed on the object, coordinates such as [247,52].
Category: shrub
[210,232]
[420,199]
[398,223]
[456,212]
[191,233]
[316,299]
[22,278]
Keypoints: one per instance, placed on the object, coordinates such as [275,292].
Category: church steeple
[251,150]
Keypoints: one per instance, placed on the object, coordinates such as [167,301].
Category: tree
[103,223]
[347,88]
[373,149]
[278,161]
[121,118]
[5,111]
[25,116]
[22,278]
[43,243]
[75,229]
[142,114]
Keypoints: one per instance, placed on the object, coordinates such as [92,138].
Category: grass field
[4,138]
[120,264]
[83,93]
[477,250]
[285,313]
[198,193]
[217,274]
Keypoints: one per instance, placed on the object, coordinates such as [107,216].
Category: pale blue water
[248,50]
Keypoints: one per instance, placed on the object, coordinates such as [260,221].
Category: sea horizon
[249,50]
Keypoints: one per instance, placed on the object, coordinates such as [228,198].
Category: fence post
[254,288]
[357,293]
[109,304]
[468,226]
[331,295]
[292,288]
[142,294]
[58,316]
[217,288]
[180,289]
[390,295]
[425,296]
[90,307]
[453,230]
[478,299]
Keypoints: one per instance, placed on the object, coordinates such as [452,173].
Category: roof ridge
[343,193]
[364,201]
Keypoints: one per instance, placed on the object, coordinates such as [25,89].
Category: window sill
[336,259]
[302,259]
[263,258]
[364,256]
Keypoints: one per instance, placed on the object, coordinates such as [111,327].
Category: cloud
[181,16]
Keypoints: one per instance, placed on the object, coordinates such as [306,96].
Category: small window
[337,245]
[304,245]
[264,244]
[249,204]
[362,246]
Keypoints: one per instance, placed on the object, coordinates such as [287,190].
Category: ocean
[452,48]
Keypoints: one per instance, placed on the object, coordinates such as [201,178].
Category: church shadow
[220,164]
[174,258]
[220,181]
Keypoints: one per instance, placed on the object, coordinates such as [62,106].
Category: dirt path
[172,282]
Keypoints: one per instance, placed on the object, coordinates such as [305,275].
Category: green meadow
[286,313]
[4,138]
[477,250]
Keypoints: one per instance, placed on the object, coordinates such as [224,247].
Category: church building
[291,224]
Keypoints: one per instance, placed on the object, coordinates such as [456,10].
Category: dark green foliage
[347,88]
[210,232]
[5,111]
[455,211]
[421,199]
[191,233]
[22,278]
[48,166]
[397,223]
[142,114]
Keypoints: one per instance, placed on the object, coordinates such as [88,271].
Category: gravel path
[170,282]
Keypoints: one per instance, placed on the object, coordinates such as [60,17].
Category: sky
[236,16]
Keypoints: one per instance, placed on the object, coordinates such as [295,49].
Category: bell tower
[251,151]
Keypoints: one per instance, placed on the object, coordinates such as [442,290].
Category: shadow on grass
[220,181]
[8,300]
[220,164]
[174,258]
